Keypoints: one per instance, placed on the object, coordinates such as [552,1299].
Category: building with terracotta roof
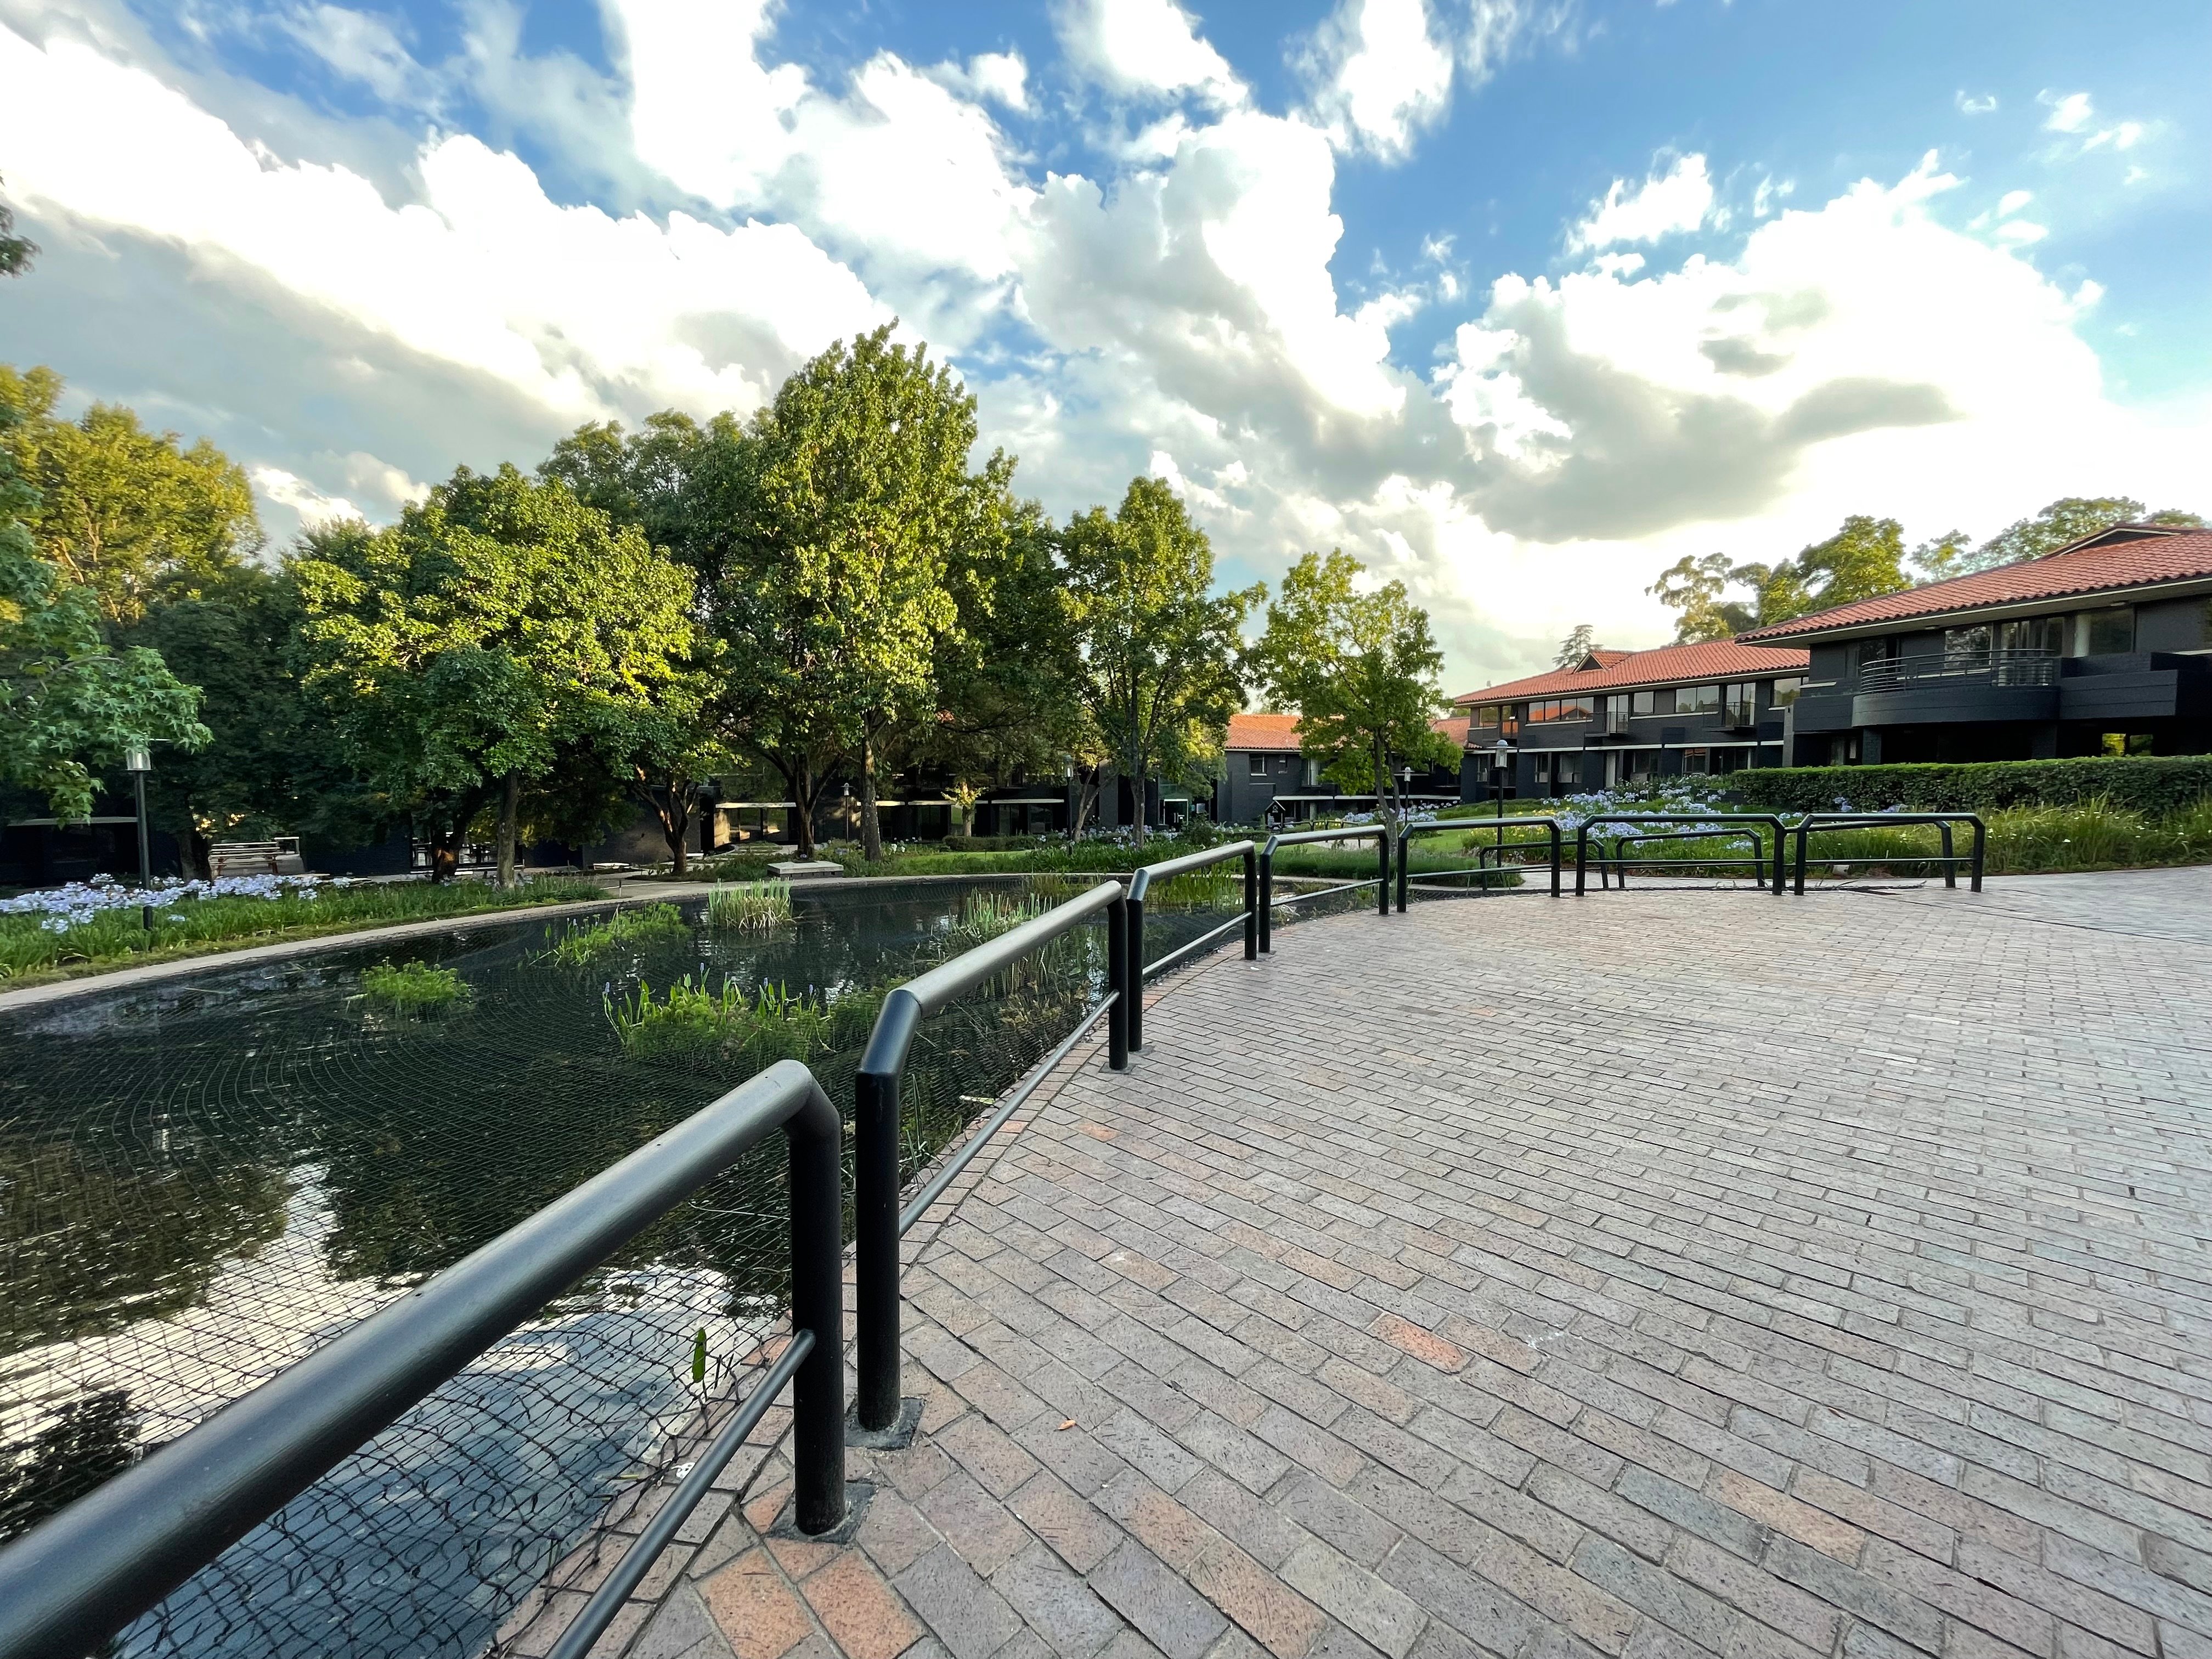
[1621,717]
[2104,646]
[1264,777]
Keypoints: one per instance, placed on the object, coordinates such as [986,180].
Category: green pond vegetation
[750,905]
[591,942]
[410,987]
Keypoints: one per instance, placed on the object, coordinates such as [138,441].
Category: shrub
[2152,784]
[992,843]
[413,986]
[753,906]
[755,1028]
[590,941]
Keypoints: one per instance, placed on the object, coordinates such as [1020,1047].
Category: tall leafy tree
[1161,654]
[1864,559]
[69,700]
[2066,519]
[1576,646]
[1360,671]
[495,624]
[16,252]
[837,608]
[133,516]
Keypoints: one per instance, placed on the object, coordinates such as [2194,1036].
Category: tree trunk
[510,807]
[676,831]
[1137,791]
[802,811]
[872,833]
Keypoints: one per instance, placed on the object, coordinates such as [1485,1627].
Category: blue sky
[1517,299]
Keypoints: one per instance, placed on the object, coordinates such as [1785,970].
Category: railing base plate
[897,1438]
[857,1494]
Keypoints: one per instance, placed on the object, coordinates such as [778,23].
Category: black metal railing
[1268,901]
[1716,823]
[1817,823]
[1612,856]
[73,1582]
[1140,886]
[1999,667]
[1500,846]
[878,1222]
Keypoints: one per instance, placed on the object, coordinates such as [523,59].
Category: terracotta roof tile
[1670,665]
[2091,568]
[1262,731]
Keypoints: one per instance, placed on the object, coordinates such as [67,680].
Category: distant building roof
[1262,731]
[1669,664]
[1454,726]
[2122,556]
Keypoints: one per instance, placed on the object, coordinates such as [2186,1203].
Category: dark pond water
[201,1181]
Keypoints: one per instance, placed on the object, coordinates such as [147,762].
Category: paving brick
[1172,1616]
[1058,1604]
[1385,1616]
[962,1612]
[1277,1617]
[754,1609]
[1075,1529]
[859,1609]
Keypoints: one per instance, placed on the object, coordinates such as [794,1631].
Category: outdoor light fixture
[138,762]
[1501,755]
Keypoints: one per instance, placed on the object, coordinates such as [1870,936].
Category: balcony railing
[1995,667]
[1616,721]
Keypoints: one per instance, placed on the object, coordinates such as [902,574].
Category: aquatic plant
[752,906]
[756,1028]
[590,941]
[410,988]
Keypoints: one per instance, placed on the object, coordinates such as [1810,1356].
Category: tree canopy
[1864,559]
[133,516]
[1360,671]
[16,252]
[2066,519]
[1576,646]
[496,623]
[1160,654]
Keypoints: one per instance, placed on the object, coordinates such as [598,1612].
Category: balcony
[1615,722]
[1979,685]
[1741,713]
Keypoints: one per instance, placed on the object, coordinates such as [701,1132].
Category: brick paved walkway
[1650,1275]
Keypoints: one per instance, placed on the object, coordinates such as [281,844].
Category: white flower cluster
[60,908]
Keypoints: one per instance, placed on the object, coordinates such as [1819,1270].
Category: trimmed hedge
[2153,783]
[992,843]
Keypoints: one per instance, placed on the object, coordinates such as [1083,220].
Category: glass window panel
[1964,647]
[1697,699]
[2108,633]
[1785,691]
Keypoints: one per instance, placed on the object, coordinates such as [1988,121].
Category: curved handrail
[82,1575]
[1140,887]
[876,1221]
[1622,866]
[1772,820]
[1813,823]
[1438,825]
[1302,837]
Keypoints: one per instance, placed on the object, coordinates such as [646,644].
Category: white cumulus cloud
[1144,48]
[1380,75]
[1679,199]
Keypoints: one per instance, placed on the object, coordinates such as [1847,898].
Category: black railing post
[1268,896]
[1251,902]
[1804,834]
[1980,839]
[875,1208]
[816,1135]
[1139,884]
[1950,870]
[1117,984]
[1554,825]
[1382,839]
[1582,854]
[1405,858]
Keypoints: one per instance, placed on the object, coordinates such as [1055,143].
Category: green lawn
[30,954]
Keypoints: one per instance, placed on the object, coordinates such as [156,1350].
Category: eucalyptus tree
[1359,669]
[1159,655]
[498,623]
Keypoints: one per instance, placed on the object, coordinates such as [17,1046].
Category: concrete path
[1656,1274]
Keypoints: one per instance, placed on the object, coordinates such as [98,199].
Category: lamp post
[138,762]
[1501,756]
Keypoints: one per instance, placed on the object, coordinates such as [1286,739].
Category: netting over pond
[205,1179]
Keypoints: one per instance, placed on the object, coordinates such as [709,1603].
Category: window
[1785,692]
[1652,702]
[1259,765]
[1696,761]
[1967,647]
[2106,633]
[1489,713]
[1874,651]
[2128,743]
[2044,635]
[1697,700]
[1743,703]
[1547,710]
[1310,774]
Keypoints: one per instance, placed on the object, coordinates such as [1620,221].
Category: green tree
[69,700]
[2066,519]
[133,516]
[1864,559]
[1360,671]
[1161,656]
[16,252]
[495,624]
[1576,648]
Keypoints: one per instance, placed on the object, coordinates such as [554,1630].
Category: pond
[204,1179]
